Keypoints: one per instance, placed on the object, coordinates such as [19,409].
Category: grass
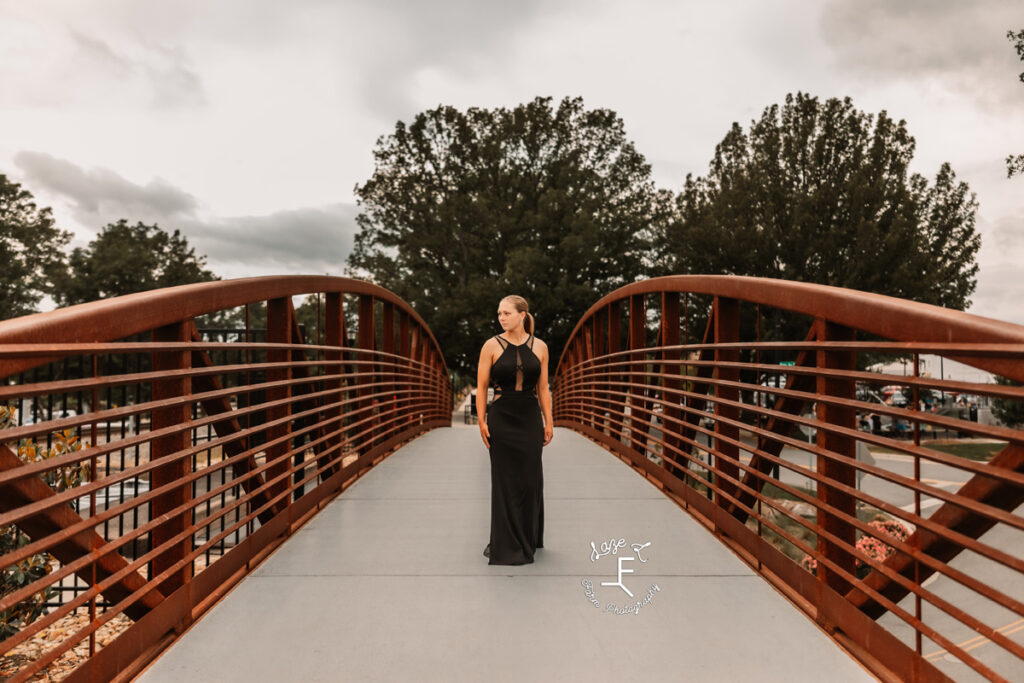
[972,451]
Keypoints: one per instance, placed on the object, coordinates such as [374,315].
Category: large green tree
[30,250]
[1015,162]
[552,203]
[820,192]
[124,259]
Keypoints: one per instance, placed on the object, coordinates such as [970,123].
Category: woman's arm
[544,395]
[483,379]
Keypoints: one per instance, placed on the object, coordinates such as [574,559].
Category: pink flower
[869,545]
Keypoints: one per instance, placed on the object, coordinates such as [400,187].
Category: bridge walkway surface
[389,583]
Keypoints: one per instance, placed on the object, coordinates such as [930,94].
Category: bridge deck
[389,583]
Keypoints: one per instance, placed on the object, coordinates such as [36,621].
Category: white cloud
[959,46]
[69,66]
[100,193]
[247,124]
[303,240]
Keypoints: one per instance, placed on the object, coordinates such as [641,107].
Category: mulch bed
[45,640]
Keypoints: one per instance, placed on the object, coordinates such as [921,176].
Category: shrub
[34,567]
[871,546]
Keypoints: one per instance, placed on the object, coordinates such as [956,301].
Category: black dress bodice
[517,368]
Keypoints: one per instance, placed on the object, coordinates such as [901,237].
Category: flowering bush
[875,548]
[869,545]
[34,567]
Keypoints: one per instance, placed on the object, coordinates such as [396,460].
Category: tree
[463,208]
[1015,162]
[30,250]
[820,192]
[124,259]
[1008,411]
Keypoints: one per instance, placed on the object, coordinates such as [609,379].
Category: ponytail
[523,307]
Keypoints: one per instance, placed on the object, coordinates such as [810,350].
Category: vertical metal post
[600,398]
[670,386]
[726,455]
[839,416]
[279,331]
[418,384]
[171,475]
[917,500]
[587,353]
[388,346]
[638,364]
[365,373]
[94,397]
[334,322]
[404,347]
[617,404]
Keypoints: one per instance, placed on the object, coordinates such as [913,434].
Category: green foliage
[1015,162]
[820,192]
[124,259]
[309,315]
[465,207]
[18,575]
[30,250]
[34,567]
[1008,411]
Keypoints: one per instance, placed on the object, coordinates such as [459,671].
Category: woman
[515,363]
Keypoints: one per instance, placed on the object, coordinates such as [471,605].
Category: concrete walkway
[389,583]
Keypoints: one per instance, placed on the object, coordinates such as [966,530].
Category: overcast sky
[247,124]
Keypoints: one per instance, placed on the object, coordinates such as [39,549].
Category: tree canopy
[124,259]
[1015,162]
[465,207]
[820,192]
[30,250]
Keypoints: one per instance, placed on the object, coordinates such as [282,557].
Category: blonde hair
[523,307]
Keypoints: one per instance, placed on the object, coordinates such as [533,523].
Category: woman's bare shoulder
[538,343]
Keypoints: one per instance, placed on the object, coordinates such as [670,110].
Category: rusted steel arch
[245,442]
[123,316]
[885,316]
[643,403]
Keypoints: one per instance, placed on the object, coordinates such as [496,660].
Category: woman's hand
[485,433]
[549,433]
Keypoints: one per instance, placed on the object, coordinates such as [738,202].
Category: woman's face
[508,316]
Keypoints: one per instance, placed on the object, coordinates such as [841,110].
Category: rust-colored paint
[172,474]
[712,480]
[831,468]
[308,412]
[67,548]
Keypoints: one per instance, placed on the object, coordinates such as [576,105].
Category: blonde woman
[515,364]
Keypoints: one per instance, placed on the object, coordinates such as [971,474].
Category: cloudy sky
[247,124]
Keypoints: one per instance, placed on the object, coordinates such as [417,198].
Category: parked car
[894,396]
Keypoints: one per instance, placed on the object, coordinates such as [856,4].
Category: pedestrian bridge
[198,483]
[388,583]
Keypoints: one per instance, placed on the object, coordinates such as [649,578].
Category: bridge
[182,496]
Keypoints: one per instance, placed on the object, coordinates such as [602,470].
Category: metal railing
[194,454]
[865,495]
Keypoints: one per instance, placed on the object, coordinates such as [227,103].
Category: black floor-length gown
[517,438]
